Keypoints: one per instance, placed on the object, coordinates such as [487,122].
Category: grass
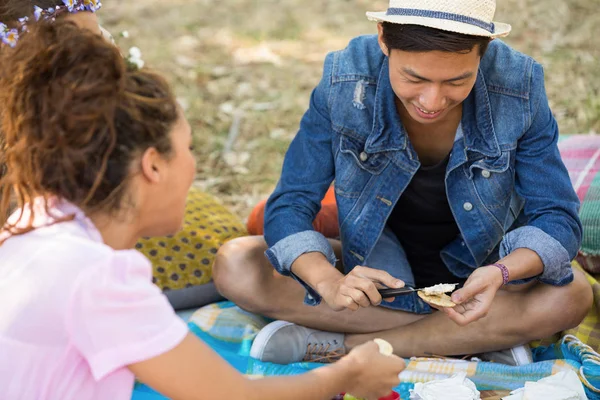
[256,61]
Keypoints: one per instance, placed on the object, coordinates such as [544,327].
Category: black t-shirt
[423,223]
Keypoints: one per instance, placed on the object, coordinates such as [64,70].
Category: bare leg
[243,274]
[515,318]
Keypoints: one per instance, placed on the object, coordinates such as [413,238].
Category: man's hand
[475,298]
[357,289]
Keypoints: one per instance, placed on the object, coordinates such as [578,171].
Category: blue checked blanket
[230,331]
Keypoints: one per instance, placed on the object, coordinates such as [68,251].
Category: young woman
[97,156]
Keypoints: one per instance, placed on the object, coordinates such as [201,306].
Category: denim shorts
[388,255]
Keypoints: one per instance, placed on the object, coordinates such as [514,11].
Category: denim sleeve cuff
[557,264]
[283,254]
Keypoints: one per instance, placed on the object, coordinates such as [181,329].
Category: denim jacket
[506,183]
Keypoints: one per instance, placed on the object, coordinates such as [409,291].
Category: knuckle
[365,285]
[352,281]
[384,274]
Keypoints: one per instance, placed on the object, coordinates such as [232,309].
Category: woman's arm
[194,371]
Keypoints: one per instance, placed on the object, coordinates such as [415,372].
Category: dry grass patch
[252,64]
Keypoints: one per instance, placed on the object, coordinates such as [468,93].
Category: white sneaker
[517,356]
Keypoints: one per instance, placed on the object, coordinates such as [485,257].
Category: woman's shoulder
[70,249]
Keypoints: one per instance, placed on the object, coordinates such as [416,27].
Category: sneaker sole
[522,355]
[265,334]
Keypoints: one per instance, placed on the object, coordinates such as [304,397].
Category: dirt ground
[244,69]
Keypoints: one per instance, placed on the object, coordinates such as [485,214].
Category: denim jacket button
[363,156]
[485,173]
[468,206]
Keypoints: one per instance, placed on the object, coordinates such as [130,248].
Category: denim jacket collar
[388,133]
[477,124]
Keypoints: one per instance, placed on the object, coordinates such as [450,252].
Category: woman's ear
[382,45]
[151,165]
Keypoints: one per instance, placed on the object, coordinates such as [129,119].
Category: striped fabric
[589,329]
[581,155]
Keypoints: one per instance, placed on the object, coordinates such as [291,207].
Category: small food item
[439,289]
[440,300]
[385,347]
[437,296]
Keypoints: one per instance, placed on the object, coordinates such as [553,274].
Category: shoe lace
[319,352]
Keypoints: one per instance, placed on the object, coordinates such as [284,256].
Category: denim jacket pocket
[493,179]
[355,167]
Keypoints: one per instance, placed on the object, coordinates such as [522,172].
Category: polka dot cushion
[185,259]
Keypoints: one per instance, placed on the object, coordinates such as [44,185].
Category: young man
[443,151]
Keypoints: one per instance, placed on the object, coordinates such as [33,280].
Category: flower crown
[11,36]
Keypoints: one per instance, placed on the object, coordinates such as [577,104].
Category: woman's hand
[375,374]
[357,289]
[474,299]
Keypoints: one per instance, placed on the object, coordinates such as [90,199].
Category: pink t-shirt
[75,313]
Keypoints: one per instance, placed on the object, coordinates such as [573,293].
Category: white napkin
[457,387]
[564,385]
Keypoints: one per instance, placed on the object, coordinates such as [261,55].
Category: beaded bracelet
[504,270]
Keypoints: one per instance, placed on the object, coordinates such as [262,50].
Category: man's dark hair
[419,38]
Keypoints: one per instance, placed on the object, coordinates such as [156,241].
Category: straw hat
[470,17]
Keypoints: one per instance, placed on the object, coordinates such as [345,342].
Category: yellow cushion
[185,259]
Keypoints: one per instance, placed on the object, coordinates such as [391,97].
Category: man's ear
[382,45]
[151,165]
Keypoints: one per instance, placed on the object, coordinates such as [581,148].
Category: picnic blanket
[230,331]
[581,155]
[588,331]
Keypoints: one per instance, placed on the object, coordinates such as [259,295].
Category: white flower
[138,63]
[125,34]
[135,57]
[135,52]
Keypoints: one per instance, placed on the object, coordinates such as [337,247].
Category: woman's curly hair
[74,117]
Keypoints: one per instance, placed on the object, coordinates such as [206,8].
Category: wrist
[502,274]
[313,268]
[335,378]
[323,285]
[348,367]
